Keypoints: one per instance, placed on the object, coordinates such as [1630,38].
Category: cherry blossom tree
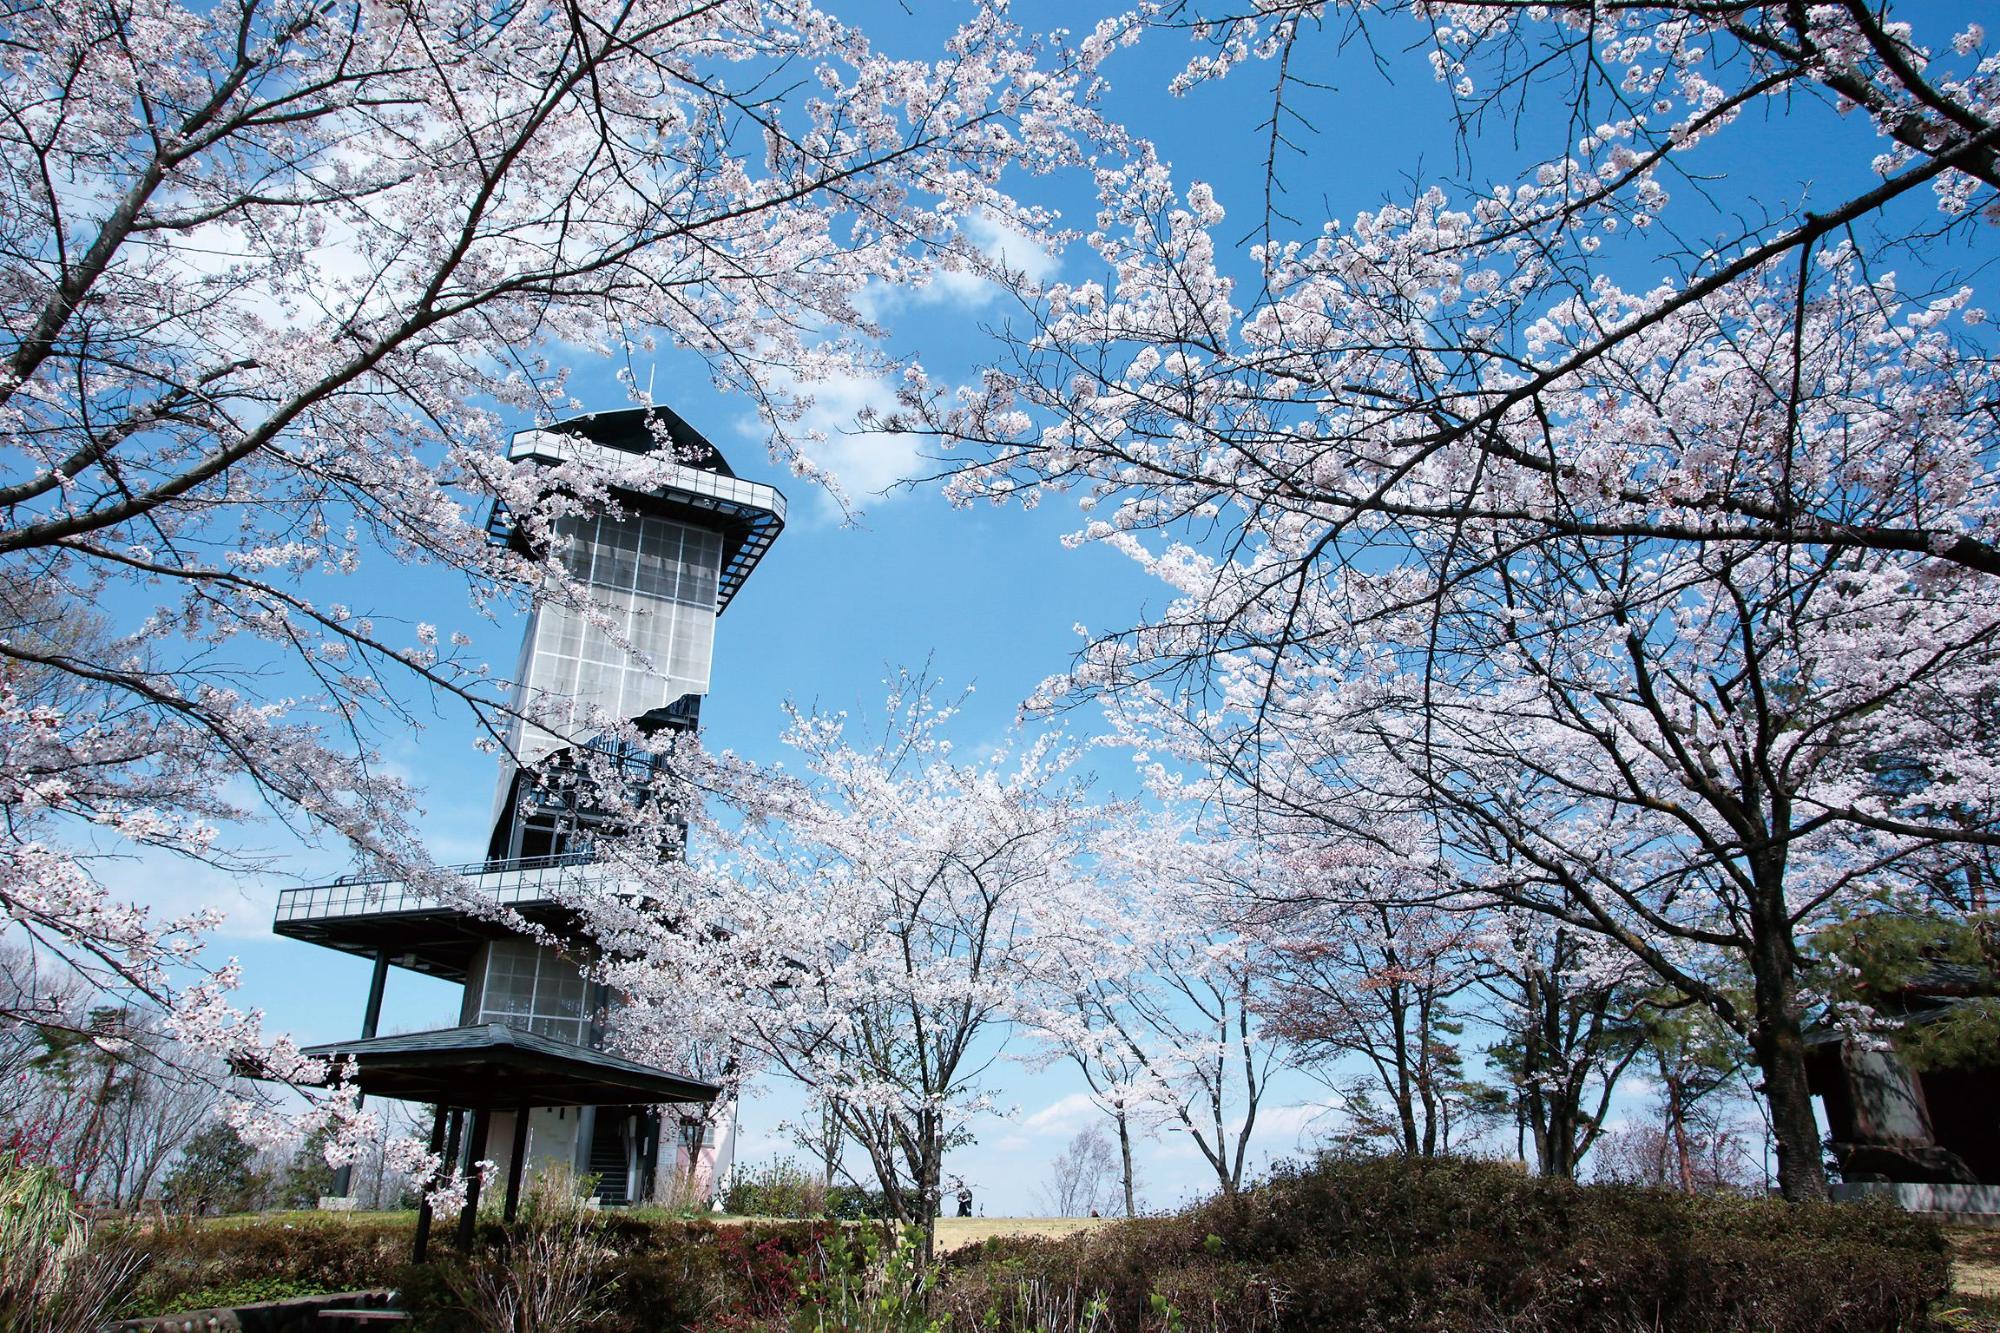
[1466,354]
[278,276]
[868,927]
[1064,1015]
[1595,595]
[1369,991]
[1149,982]
[1664,746]
[1573,1020]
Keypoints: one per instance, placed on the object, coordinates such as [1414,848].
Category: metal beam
[517,1162]
[371,1017]
[371,1020]
[424,1202]
[475,1143]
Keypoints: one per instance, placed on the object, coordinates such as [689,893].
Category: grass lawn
[1975,1261]
[956,1232]
[1975,1280]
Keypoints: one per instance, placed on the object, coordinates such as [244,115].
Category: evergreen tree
[214,1173]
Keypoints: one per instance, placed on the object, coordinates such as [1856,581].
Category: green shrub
[1339,1245]
[778,1188]
[215,1173]
[1389,1244]
[852,1203]
[256,1291]
[550,1272]
[328,1251]
[667,1274]
[55,1275]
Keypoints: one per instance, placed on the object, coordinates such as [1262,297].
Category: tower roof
[639,430]
[697,487]
[501,1067]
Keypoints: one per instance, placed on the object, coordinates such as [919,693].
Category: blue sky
[990,597]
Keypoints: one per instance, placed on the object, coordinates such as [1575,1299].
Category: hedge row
[1449,1245]
[669,1274]
[1339,1245]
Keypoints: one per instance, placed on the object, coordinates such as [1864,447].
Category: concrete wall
[1888,1102]
[1978,1205]
[552,1141]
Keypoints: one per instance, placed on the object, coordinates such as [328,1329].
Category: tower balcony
[367,916]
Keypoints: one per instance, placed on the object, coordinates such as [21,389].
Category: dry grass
[957,1232]
[1975,1260]
[1974,1303]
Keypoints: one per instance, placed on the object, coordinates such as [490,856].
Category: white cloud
[960,290]
[1300,1122]
[169,885]
[1065,1115]
[868,464]
[1015,249]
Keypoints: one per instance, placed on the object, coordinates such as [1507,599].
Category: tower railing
[757,509]
[509,882]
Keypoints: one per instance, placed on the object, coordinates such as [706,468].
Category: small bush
[663,1275]
[852,1203]
[55,1275]
[1353,1246]
[779,1188]
[549,1271]
[862,1282]
[256,1291]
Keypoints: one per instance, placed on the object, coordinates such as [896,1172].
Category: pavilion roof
[500,1067]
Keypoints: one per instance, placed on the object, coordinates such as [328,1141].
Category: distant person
[965,1201]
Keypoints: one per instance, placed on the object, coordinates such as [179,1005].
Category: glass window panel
[656,566]
[617,557]
[568,629]
[694,631]
[700,562]
[529,985]
[653,629]
[663,578]
[577,550]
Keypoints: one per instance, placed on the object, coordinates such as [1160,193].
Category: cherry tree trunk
[1778,1041]
[1125,1158]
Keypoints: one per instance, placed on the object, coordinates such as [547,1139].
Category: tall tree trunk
[1778,1039]
[930,1178]
[1674,1139]
[1533,1103]
[1677,1118]
[1427,1075]
[1125,1157]
[830,1130]
[1404,1091]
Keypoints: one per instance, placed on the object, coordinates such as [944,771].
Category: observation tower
[524,1079]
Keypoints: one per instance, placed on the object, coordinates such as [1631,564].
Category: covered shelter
[478,1069]
[1916,1131]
